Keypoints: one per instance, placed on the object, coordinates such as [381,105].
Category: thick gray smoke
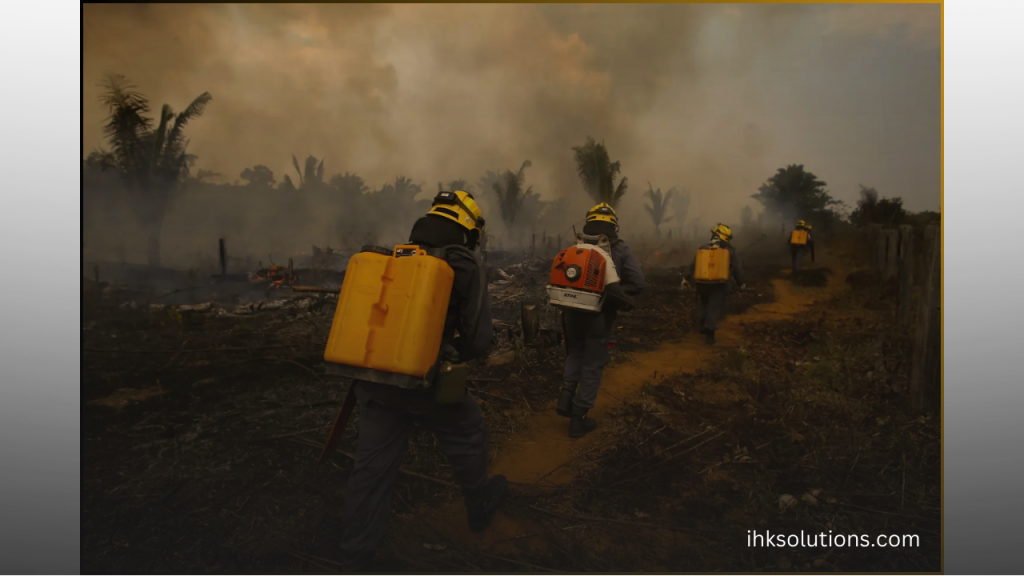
[705,98]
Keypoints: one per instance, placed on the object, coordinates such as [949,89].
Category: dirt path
[544,452]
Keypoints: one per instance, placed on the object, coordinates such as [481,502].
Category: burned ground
[201,429]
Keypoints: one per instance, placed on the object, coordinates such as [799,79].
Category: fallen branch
[660,452]
[309,558]
[496,396]
[292,434]
[542,533]
[509,297]
[666,460]
[193,350]
[616,521]
[405,471]
[304,367]
[556,468]
[316,289]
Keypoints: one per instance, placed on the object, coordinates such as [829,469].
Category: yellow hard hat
[603,212]
[723,232]
[460,207]
[801,223]
[808,226]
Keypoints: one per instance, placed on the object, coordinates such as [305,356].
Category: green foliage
[796,194]
[872,210]
[310,179]
[658,206]
[348,185]
[598,173]
[459,184]
[152,161]
[259,176]
[511,196]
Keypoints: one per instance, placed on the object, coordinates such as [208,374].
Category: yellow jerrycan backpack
[389,326]
[712,266]
[389,322]
[798,237]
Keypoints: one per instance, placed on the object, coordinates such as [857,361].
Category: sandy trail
[545,452]
[538,453]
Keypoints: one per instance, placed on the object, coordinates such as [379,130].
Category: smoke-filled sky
[706,98]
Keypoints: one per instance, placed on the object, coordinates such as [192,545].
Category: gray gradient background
[983,347]
[984,361]
[39,340]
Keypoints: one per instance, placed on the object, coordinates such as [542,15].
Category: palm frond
[194,110]
[310,171]
[126,128]
[620,191]
[295,162]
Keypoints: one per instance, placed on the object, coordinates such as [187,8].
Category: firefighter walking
[587,333]
[391,404]
[716,270]
[800,243]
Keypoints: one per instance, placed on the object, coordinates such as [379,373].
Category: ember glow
[277,276]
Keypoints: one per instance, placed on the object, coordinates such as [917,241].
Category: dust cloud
[710,99]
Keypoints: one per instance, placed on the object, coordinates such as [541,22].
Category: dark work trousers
[386,417]
[712,305]
[799,253]
[587,334]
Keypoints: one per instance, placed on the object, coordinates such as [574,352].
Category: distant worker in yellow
[588,332]
[800,243]
[434,397]
[716,270]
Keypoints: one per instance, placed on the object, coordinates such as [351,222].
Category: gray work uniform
[712,296]
[387,414]
[799,252]
[587,333]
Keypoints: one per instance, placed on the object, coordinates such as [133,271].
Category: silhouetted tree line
[147,166]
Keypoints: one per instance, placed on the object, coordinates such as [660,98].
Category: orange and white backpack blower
[583,277]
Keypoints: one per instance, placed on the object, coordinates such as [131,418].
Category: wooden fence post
[890,240]
[223,258]
[906,253]
[926,369]
[874,241]
[533,244]
[531,323]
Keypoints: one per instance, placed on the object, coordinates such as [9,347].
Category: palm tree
[459,184]
[658,207]
[598,172]
[314,174]
[511,195]
[682,207]
[152,162]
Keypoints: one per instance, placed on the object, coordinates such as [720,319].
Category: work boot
[480,507]
[711,337]
[580,425]
[565,398]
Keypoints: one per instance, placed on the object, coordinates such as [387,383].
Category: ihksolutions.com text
[830,540]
